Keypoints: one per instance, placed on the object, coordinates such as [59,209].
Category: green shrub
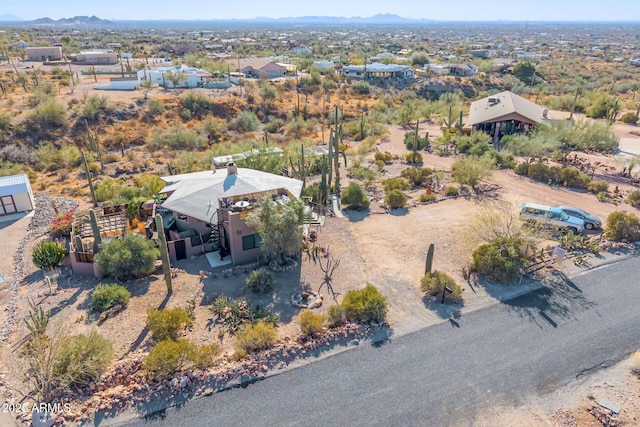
[361,88]
[539,171]
[167,323]
[168,357]
[354,197]
[602,197]
[48,254]
[417,176]
[410,140]
[498,259]
[622,226]
[574,178]
[391,184]
[451,191]
[336,316]
[83,358]
[598,186]
[413,157]
[106,190]
[634,199]
[395,199]
[629,118]
[260,280]
[95,106]
[256,337]
[107,295]
[311,324]
[197,103]
[427,198]
[246,121]
[155,107]
[177,137]
[365,305]
[48,114]
[385,157]
[471,170]
[434,284]
[131,257]
[522,169]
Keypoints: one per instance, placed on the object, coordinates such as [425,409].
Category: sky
[456,10]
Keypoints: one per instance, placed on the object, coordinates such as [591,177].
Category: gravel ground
[41,219]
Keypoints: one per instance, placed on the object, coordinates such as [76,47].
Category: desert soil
[386,249]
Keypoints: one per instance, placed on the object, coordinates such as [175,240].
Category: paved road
[446,374]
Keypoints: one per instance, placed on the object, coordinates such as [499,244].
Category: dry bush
[311,324]
[634,365]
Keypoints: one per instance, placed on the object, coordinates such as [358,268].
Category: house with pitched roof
[205,212]
[259,68]
[504,113]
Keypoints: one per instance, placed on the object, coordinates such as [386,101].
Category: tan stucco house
[206,211]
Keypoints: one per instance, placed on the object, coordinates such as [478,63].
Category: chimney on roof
[232,169]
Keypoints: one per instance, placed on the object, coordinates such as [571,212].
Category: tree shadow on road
[558,300]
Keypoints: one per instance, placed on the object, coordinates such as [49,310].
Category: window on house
[251,241]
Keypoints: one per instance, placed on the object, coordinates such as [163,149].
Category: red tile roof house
[205,212]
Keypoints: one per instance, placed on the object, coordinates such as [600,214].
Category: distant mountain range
[94,21]
[76,21]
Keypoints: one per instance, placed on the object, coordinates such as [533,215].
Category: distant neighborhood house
[44,53]
[95,57]
[377,70]
[259,68]
[460,70]
[189,77]
[505,113]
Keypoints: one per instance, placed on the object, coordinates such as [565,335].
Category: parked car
[591,222]
[551,217]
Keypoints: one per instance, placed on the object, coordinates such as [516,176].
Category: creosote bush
[311,324]
[133,256]
[260,280]
[634,199]
[107,295]
[427,198]
[167,323]
[622,226]
[434,284]
[168,357]
[395,199]
[498,259]
[451,191]
[82,358]
[48,254]
[365,305]
[255,337]
[598,186]
[336,316]
[354,197]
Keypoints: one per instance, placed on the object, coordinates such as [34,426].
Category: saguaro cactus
[97,238]
[164,253]
[89,179]
[301,168]
[429,264]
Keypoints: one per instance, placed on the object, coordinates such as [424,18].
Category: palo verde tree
[279,226]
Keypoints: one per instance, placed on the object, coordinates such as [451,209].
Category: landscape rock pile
[40,221]
[127,385]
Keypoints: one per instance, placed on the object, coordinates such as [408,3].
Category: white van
[551,217]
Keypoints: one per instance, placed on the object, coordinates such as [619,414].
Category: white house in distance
[191,76]
[377,70]
[465,69]
[15,195]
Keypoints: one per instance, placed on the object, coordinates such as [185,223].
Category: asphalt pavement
[450,373]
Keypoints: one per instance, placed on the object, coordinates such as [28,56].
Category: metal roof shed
[15,194]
